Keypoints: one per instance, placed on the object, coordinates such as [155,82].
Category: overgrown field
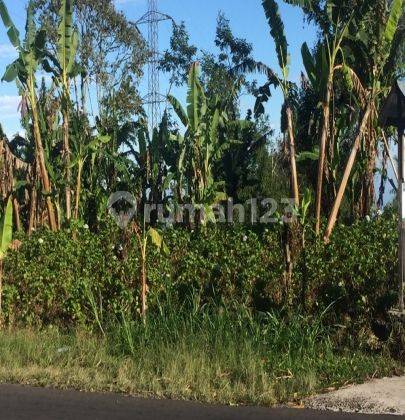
[206,355]
[222,323]
[260,312]
[55,279]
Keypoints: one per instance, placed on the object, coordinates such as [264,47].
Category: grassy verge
[211,357]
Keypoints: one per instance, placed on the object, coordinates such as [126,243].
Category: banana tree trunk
[58,215]
[144,286]
[293,163]
[68,172]
[78,190]
[45,178]
[346,175]
[371,163]
[16,211]
[322,156]
[33,207]
[42,167]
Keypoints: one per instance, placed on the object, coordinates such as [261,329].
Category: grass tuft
[208,355]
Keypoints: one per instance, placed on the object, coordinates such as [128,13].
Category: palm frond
[277,31]
[252,66]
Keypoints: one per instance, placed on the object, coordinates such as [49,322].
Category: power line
[154,98]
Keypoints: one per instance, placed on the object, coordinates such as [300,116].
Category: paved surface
[378,396]
[18,402]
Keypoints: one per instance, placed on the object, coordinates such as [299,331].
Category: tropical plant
[279,37]
[82,152]
[287,87]
[152,159]
[22,70]
[64,69]
[145,236]
[321,70]
[201,146]
[111,55]
[178,59]
[6,232]
[386,30]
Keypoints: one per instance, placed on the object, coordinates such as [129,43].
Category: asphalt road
[18,402]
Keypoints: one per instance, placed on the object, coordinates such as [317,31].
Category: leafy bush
[356,273]
[55,279]
[51,276]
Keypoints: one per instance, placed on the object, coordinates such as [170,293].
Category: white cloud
[7,51]
[9,106]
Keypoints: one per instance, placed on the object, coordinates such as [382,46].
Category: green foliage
[6,229]
[45,281]
[12,31]
[277,32]
[396,11]
[196,99]
[178,59]
[55,287]
[31,51]
[356,272]
[68,37]
[210,355]
[179,110]
[112,50]
[57,279]
[220,153]
[202,146]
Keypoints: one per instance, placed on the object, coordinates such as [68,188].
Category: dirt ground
[380,396]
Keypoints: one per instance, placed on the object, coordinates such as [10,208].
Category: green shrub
[55,279]
[49,279]
[356,274]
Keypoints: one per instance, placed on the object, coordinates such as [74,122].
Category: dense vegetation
[73,158]
[227,357]
[55,279]
[297,301]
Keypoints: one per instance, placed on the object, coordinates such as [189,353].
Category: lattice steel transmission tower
[154,98]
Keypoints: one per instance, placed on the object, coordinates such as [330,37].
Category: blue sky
[247,20]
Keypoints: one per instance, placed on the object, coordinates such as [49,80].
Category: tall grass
[208,354]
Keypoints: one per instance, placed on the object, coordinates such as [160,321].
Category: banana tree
[321,69]
[385,31]
[175,158]
[82,152]
[201,147]
[277,32]
[22,70]
[6,232]
[150,157]
[64,70]
[288,88]
[145,237]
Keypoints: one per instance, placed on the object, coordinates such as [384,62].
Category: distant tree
[217,68]
[247,136]
[178,59]
[112,51]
